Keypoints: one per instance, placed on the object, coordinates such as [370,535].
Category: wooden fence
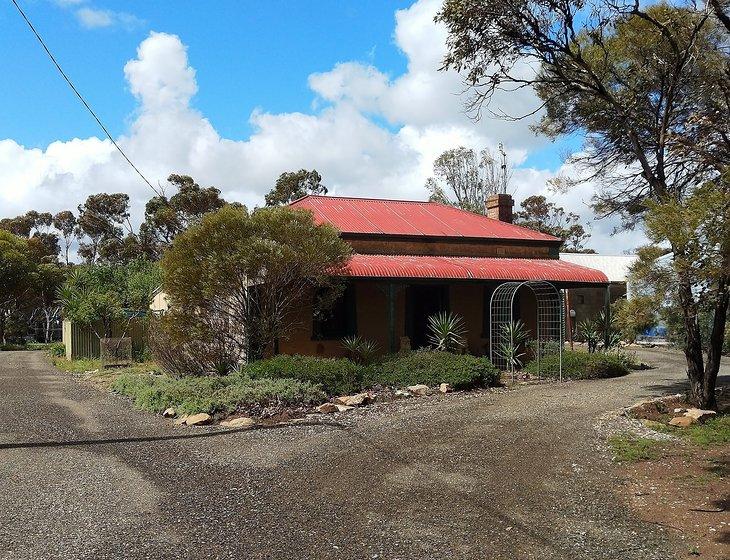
[82,343]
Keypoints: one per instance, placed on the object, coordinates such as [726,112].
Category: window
[339,321]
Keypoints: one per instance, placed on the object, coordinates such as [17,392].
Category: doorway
[422,301]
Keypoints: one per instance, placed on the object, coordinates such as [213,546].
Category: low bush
[228,393]
[57,350]
[10,347]
[336,376]
[461,371]
[581,365]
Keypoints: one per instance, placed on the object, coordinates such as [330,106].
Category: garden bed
[677,477]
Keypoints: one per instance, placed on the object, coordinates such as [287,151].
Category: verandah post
[390,295]
[607,317]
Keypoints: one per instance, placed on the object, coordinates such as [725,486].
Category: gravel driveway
[512,474]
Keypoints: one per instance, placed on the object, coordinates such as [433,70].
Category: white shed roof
[616,267]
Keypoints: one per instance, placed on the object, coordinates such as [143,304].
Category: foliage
[99,226]
[647,86]
[446,332]
[247,276]
[335,376]
[430,367]
[581,365]
[715,431]
[227,394]
[181,353]
[546,348]
[65,222]
[16,268]
[165,218]
[589,333]
[56,349]
[630,449]
[692,285]
[465,178]
[359,349]
[512,350]
[633,317]
[293,185]
[539,214]
[104,293]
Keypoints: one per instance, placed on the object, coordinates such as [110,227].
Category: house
[413,259]
[586,303]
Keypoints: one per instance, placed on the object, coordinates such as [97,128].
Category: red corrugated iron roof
[404,217]
[471,268]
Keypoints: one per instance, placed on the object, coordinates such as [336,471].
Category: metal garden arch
[550,321]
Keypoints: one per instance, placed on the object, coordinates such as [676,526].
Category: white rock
[181,421]
[699,414]
[445,388]
[327,408]
[344,408]
[682,421]
[353,400]
[243,422]
[679,410]
[198,419]
[401,394]
[169,413]
[418,390]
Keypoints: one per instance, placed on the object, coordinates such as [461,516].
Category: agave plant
[360,349]
[446,331]
[514,336]
[590,333]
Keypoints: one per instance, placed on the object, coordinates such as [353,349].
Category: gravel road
[512,474]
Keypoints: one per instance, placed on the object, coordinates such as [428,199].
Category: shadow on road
[149,439]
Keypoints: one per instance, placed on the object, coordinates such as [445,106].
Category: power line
[70,83]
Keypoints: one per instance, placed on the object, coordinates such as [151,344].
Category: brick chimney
[499,207]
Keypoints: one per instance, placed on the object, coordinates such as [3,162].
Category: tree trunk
[692,343]
[714,352]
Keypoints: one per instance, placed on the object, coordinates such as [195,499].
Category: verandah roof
[471,268]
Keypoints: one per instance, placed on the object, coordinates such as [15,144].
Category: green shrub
[229,393]
[461,371]
[57,350]
[581,365]
[336,376]
[9,347]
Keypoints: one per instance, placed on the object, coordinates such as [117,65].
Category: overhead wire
[81,97]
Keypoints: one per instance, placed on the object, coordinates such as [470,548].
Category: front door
[422,301]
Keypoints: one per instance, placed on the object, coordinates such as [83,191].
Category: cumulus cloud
[342,138]
[93,18]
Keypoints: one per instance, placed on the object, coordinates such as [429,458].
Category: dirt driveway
[488,475]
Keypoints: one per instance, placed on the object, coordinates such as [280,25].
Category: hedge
[581,365]
[461,371]
[229,393]
[336,376]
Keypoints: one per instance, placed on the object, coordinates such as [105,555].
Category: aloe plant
[590,333]
[515,335]
[446,331]
[360,349]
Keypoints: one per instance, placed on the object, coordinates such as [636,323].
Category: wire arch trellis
[550,322]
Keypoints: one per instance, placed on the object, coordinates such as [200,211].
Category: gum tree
[645,84]
[237,281]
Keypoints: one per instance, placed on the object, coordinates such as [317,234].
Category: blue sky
[232,45]
[234,93]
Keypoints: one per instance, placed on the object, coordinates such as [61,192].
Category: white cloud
[341,139]
[93,18]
